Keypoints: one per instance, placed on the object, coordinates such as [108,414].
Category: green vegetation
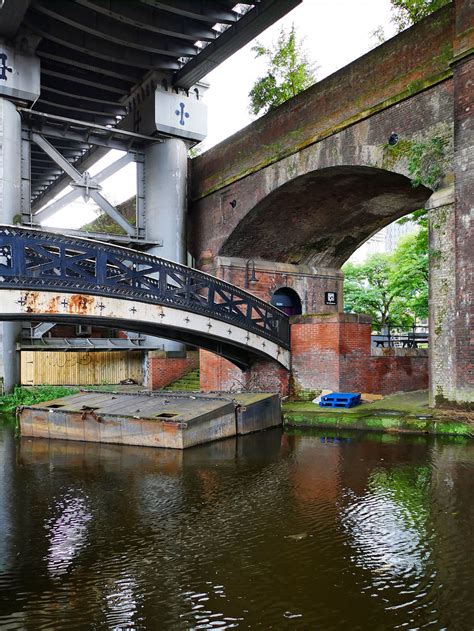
[408,12]
[29,396]
[289,72]
[405,13]
[426,160]
[402,412]
[105,224]
[392,289]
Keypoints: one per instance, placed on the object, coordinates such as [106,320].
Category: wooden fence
[80,368]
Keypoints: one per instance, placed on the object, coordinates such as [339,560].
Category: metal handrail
[33,259]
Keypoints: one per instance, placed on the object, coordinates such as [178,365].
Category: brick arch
[322,216]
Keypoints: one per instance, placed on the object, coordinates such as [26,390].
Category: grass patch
[29,396]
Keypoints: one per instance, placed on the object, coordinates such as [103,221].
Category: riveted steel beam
[110,30]
[248,26]
[87,43]
[203,10]
[51,51]
[12,13]
[104,84]
[151,19]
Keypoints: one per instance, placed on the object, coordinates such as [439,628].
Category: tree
[407,12]
[367,289]
[410,273]
[392,289]
[289,72]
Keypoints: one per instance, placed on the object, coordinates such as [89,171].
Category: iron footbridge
[50,277]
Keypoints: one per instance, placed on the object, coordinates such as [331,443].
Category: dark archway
[287,300]
[322,217]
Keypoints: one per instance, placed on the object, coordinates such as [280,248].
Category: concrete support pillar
[10,205]
[165,206]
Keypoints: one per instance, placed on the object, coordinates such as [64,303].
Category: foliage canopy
[393,289]
[289,72]
[407,12]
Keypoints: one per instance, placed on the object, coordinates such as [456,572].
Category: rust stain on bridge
[80,304]
[31,300]
[53,305]
[77,304]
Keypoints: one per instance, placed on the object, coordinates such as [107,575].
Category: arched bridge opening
[322,217]
[54,278]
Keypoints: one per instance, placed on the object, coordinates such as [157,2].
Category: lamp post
[250,276]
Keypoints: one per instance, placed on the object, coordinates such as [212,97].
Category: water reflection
[120,603]
[67,533]
[273,530]
[387,524]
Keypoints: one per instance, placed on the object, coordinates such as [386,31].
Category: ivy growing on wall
[426,160]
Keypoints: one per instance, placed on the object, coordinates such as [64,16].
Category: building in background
[383,242]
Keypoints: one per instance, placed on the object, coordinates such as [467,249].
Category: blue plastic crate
[340,400]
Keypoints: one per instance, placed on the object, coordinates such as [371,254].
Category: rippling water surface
[271,531]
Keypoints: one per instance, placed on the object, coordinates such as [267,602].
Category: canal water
[270,531]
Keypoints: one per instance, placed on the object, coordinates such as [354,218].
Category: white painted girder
[26,304]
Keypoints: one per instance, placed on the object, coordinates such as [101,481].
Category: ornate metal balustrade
[36,260]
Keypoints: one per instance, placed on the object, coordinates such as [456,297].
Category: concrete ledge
[401,413]
[399,352]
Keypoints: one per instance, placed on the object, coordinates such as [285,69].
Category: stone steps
[190,381]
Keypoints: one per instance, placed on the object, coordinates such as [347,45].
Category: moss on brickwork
[287,146]
[427,161]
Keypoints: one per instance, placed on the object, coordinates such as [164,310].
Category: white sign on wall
[19,74]
[180,115]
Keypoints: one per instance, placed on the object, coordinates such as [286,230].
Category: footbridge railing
[34,260]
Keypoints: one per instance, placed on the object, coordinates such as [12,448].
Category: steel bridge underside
[98,57]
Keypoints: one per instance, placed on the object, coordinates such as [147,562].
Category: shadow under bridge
[55,278]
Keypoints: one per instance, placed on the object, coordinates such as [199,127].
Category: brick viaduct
[301,188]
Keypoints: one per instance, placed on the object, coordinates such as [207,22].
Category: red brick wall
[328,352]
[307,283]
[383,375]
[385,74]
[164,370]
[317,344]
[463,308]
[333,352]
[219,374]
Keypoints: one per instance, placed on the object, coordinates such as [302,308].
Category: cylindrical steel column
[10,205]
[165,206]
